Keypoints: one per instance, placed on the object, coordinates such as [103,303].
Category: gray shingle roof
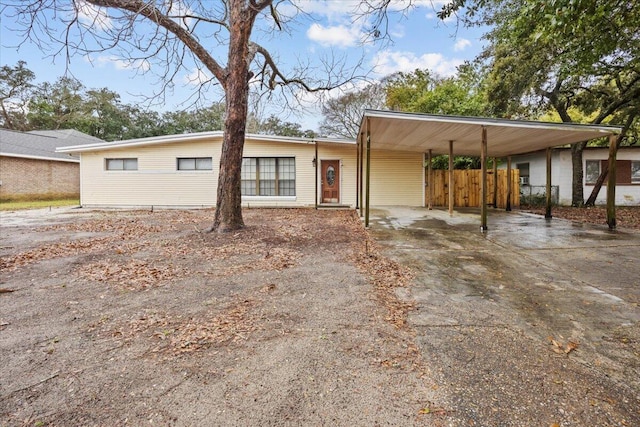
[42,144]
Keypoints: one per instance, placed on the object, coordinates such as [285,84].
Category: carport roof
[392,130]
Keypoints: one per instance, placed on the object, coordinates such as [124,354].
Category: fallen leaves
[564,349]
[176,334]
[135,274]
[56,250]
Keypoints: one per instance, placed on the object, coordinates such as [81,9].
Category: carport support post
[361,162]
[450,178]
[611,183]
[547,214]
[508,203]
[366,212]
[429,180]
[483,184]
[495,183]
[316,165]
[358,142]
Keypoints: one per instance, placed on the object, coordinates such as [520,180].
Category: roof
[40,144]
[190,137]
[393,130]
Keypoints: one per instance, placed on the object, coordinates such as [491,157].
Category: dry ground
[131,318]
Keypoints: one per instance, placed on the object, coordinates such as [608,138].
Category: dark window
[268,176]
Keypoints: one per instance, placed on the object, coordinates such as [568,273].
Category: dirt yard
[626,216]
[132,318]
[140,318]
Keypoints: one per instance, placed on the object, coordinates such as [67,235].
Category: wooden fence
[467,188]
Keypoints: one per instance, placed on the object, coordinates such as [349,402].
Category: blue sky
[326,29]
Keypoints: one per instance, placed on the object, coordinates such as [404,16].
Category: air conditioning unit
[524,180]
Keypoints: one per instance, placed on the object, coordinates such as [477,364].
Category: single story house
[387,165]
[182,171]
[30,167]
[532,168]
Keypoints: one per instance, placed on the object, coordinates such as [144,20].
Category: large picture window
[268,176]
[195,164]
[124,164]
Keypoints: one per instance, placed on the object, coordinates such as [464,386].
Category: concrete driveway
[534,322]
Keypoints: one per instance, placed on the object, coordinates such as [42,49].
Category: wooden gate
[467,188]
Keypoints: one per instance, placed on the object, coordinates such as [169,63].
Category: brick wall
[22,178]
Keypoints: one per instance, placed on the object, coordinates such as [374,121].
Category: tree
[342,115]
[562,54]
[59,105]
[16,84]
[422,91]
[275,126]
[168,33]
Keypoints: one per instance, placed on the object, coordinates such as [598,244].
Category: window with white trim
[122,164]
[268,176]
[635,172]
[195,163]
[627,171]
[592,171]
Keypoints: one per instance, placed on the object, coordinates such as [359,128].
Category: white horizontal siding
[396,178]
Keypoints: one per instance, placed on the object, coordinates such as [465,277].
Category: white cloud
[141,65]
[339,35]
[177,8]
[387,62]
[461,44]
[197,77]
[93,16]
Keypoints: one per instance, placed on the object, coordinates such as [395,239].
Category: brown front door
[330,181]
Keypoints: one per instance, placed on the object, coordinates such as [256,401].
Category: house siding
[397,178]
[22,178]
[158,183]
[562,174]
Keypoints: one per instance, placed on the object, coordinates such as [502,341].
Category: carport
[471,136]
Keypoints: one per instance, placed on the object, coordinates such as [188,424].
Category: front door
[330,181]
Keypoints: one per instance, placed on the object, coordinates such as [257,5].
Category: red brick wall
[21,178]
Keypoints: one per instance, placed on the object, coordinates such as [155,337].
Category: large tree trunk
[577,189]
[228,214]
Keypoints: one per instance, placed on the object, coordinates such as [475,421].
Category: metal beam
[483,179]
[611,183]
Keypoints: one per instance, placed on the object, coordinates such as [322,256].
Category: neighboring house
[182,171]
[533,173]
[30,167]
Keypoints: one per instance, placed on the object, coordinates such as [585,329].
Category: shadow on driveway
[498,314]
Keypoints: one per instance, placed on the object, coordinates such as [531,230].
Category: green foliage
[68,104]
[425,92]
[15,85]
[273,125]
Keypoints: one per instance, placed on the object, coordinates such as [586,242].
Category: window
[523,169]
[592,171]
[635,172]
[627,171]
[122,164]
[268,176]
[195,164]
